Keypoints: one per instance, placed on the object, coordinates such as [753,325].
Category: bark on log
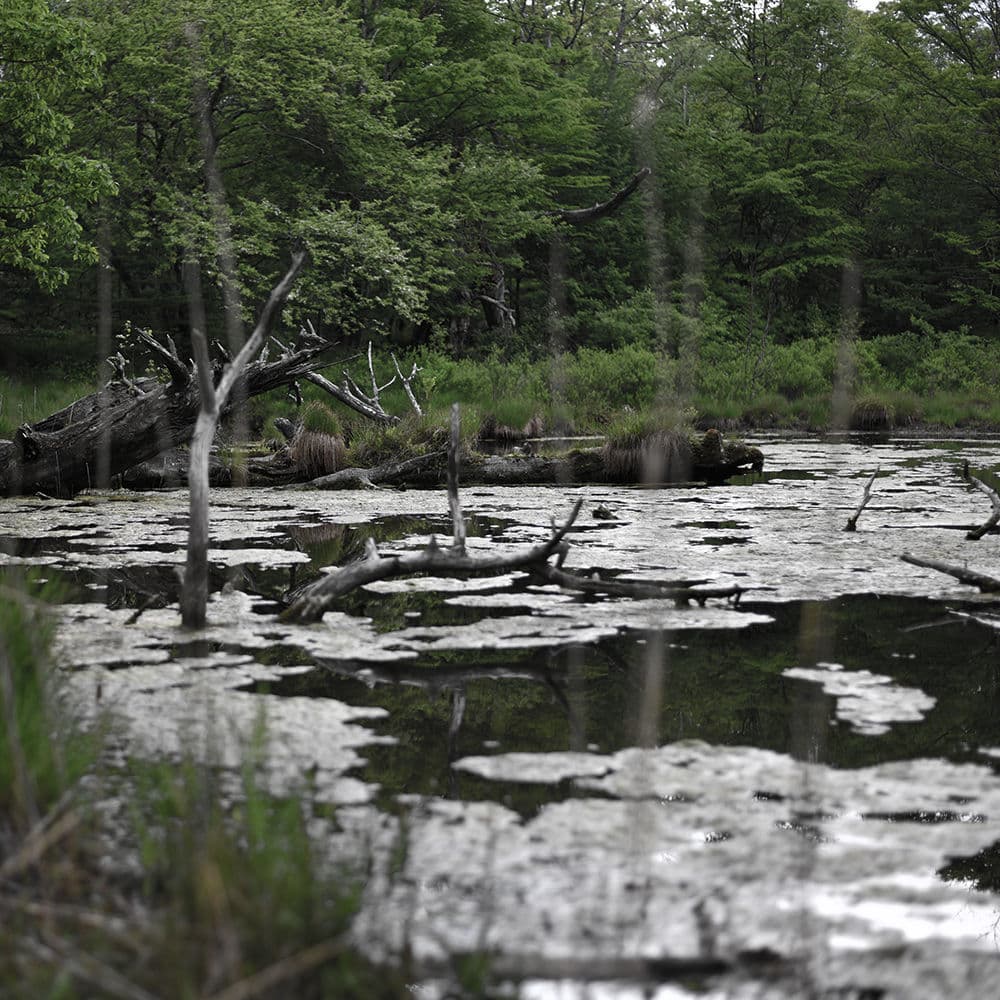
[59,455]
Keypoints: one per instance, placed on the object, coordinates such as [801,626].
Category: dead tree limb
[852,521]
[986,584]
[991,522]
[320,596]
[454,504]
[406,381]
[194,589]
[368,405]
[579,216]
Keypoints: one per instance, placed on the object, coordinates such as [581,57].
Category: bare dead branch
[579,216]
[180,374]
[991,522]
[194,589]
[406,381]
[376,388]
[986,584]
[118,364]
[852,521]
[352,397]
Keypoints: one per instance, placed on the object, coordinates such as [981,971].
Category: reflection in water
[656,687]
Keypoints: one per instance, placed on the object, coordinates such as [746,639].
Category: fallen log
[124,424]
[579,466]
[985,584]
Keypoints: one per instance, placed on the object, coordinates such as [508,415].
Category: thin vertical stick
[457,520]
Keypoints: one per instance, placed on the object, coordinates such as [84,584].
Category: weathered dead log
[580,466]
[131,424]
[321,595]
[986,584]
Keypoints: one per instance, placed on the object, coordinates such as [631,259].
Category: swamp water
[792,797]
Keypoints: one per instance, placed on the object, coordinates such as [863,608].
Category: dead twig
[406,381]
[852,521]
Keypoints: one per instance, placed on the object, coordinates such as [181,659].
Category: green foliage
[318,418]
[374,444]
[598,383]
[44,185]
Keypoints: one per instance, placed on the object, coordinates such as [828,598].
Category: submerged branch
[986,584]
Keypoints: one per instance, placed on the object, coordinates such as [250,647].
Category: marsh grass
[647,448]
[318,448]
[375,444]
[25,401]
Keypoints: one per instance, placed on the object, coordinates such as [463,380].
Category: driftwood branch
[852,521]
[991,522]
[579,216]
[986,584]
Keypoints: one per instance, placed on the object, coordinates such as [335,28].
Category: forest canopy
[806,159]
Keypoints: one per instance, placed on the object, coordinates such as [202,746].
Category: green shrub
[599,383]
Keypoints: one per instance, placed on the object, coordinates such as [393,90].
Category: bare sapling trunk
[194,590]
